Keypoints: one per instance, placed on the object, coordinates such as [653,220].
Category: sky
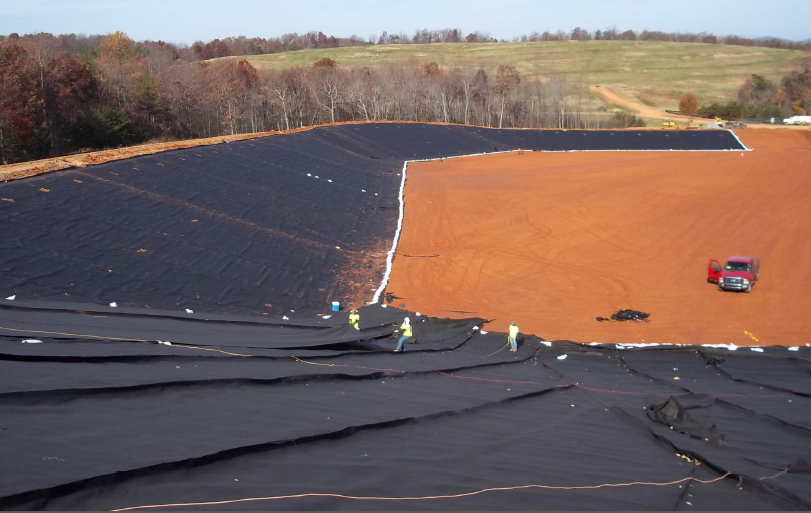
[185,21]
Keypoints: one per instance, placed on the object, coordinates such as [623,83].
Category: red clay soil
[553,240]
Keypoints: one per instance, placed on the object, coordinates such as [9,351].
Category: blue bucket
[336,306]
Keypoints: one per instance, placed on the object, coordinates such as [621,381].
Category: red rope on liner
[429,497]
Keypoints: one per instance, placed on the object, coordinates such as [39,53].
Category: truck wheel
[749,288]
[720,288]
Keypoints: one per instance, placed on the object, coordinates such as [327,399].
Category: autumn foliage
[58,96]
[71,93]
[688,104]
[325,62]
[759,97]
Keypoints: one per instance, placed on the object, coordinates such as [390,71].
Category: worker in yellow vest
[354,319]
[408,332]
[513,336]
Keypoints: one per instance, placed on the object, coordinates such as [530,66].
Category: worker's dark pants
[401,342]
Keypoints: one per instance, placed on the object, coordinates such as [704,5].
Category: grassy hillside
[653,72]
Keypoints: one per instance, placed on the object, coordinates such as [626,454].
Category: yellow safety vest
[354,319]
[406,330]
[513,331]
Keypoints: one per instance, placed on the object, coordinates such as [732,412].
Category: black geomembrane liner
[285,221]
[95,423]
[106,408]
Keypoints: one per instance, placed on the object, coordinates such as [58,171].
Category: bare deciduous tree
[507,79]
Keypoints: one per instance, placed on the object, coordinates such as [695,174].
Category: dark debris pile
[626,315]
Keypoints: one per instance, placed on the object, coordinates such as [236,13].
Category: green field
[654,72]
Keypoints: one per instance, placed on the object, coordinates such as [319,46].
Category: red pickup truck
[739,273]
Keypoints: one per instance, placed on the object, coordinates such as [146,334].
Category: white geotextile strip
[739,140]
[393,250]
[390,256]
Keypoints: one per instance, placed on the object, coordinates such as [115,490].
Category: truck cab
[738,273]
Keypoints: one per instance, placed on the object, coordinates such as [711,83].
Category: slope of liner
[178,424]
[280,223]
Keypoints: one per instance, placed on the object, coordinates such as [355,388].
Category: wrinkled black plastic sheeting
[105,430]
[230,228]
[271,409]
[500,444]
[778,374]
[234,227]
[757,444]
[764,429]
[416,141]
[677,416]
[378,326]
[698,375]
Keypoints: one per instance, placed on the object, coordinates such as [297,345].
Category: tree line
[613,34]
[759,97]
[71,93]
[55,100]
[88,46]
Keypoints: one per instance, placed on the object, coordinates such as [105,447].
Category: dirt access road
[640,109]
[613,98]
[553,240]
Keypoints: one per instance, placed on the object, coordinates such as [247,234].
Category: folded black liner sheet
[96,413]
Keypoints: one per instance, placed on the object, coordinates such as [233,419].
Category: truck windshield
[736,266]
